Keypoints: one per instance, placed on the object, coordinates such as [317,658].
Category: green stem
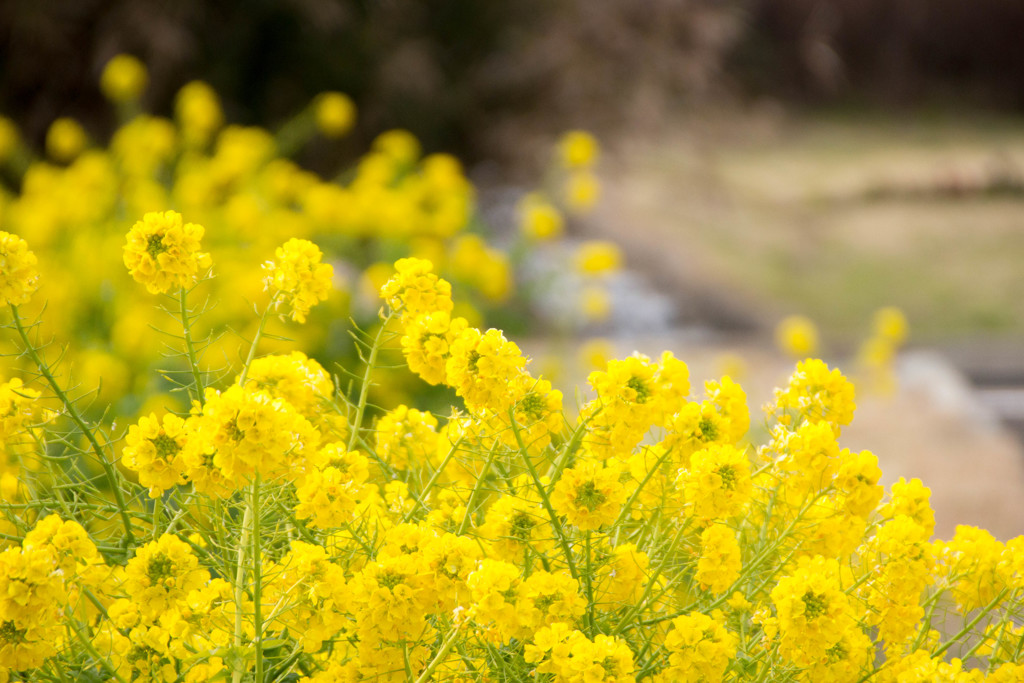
[256,339]
[158,509]
[570,448]
[422,497]
[636,494]
[365,388]
[630,618]
[102,661]
[932,602]
[190,348]
[446,647]
[971,624]
[476,487]
[236,675]
[588,575]
[257,576]
[556,523]
[72,411]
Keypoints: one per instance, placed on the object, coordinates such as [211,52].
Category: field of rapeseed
[193,505]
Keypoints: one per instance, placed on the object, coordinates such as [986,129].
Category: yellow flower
[814,613]
[16,401]
[890,324]
[717,484]
[537,412]
[303,383]
[815,394]
[161,574]
[913,500]
[400,146]
[65,139]
[573,658]
[335,114]
[598,256]
[483,369]
[719,564]
[406,438]
[308,594]
[633,394]
[329,495]
[797,336]
[901,563]
[19,278]
[449,560]
[299,275]
[809,456]
[496,588]
[582,190]
[695,426]
[972,560]
[623,575]
[427,343]
[539,220]
[577,149]
[123,79]
[414,289]
[162,252]
[36,584]
[514,526]
[731,402]
[700,648]
[589,496]
[198,111]
[857,478]
[244,431]
[152,449]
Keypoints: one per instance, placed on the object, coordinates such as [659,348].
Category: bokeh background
[761,158]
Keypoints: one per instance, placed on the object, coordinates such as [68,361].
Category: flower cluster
[297,529]
[162,252]
[19,279]
[327,243]
[298,276]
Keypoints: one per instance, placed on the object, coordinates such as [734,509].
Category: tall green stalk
[76,417]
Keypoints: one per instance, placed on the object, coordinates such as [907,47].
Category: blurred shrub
[900,51]
[439,68]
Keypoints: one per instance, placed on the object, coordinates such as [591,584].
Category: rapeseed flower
[162,252]
[700,648]
[335,114]
[415,290]
[162,574]
[797,335]
[19,278]
[589,496]
[298,276]
[539,220]
[719,564]
[152,448]
[65,139]
[717,483]
[598,257]
[123,78]
[578,149]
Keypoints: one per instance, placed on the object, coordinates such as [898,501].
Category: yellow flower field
[184,504]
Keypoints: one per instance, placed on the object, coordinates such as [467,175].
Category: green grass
[834,217]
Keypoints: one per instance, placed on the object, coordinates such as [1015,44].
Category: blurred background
[761,158]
